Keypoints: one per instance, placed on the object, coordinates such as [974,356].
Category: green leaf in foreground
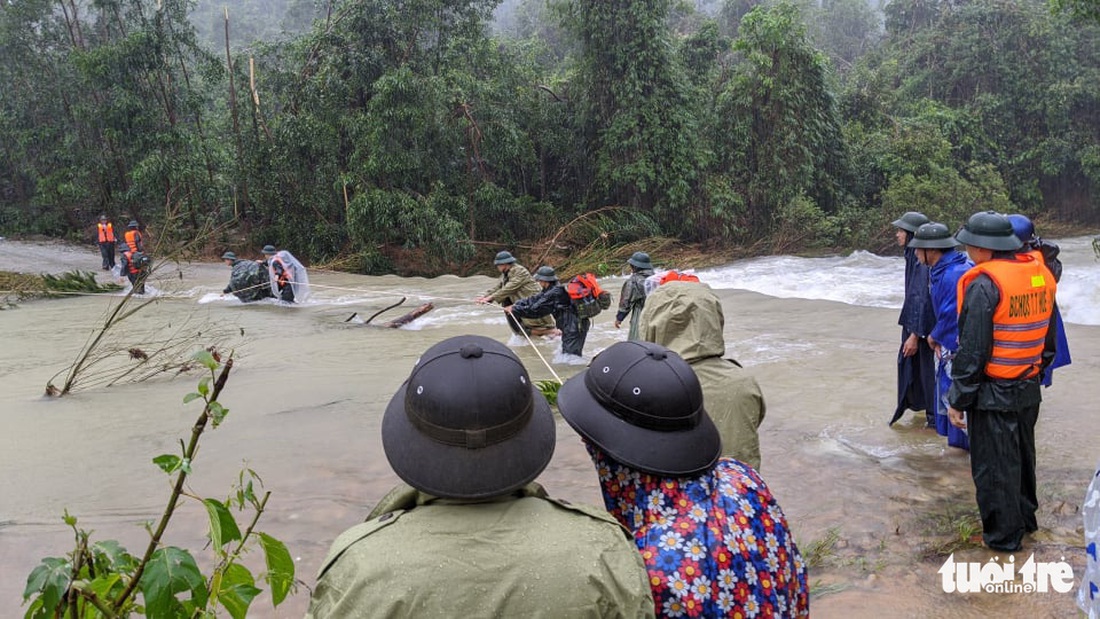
[205,358]
[280,567]
[168,463]
[223,528]
[237,590]
[171,571]
[51,577]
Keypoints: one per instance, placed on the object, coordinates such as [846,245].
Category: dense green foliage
[369,129]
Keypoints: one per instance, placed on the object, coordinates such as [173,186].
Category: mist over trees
[361,128]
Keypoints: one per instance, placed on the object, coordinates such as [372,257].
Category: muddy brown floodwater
[881,505]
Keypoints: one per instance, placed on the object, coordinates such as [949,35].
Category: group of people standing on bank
[981,334]
[133,263]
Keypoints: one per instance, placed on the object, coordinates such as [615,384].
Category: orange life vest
[1022,316]
[130,266]
[106,232]
[282,272]
[133,237]
[676,276]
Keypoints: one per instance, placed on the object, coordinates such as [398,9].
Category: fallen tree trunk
[411,316]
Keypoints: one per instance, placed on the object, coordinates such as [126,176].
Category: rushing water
[309,387]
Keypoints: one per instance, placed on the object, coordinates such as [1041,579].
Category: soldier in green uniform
[472,535]
[632,298]
[516,283]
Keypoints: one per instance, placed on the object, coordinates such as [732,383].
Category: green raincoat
[687,318]
[632,301]
[521,555]
[517,283]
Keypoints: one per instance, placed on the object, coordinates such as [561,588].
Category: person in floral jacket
[713,538]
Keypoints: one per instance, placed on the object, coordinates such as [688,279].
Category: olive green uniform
[517,283]
[521,555]
[687,318]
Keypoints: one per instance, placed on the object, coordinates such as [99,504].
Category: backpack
[587,296]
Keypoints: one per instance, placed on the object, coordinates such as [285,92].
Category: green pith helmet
[989,230]
[933,235]
[229,256]
[546,274]
[133,224]
[268,250]
[504,257]
[640,260]
[910,221]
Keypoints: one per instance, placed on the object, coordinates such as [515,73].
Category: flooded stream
[880,506]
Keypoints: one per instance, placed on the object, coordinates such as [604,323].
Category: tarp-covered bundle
[249,282]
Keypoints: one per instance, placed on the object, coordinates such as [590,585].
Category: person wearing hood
[1005,342]
[516,283]
[935,248]
[554,300]
[916,363]
[687,318]
[632,299]
[713,537]
[472,534]
[1048,253]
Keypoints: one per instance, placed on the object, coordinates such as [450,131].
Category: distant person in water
[916,363]
[1048,253]
[935,248]
[472,534]
[282,272]
[134,265]
[517,283]
[554,300]
[632,299]
[105,235]
[133,237]
[247,280]
[712,535]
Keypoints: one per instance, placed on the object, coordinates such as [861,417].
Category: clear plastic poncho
[299,279]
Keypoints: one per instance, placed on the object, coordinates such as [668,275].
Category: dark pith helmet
[133,224]
[504,257]
[640,260]
[910,221]
[989,230]
[229,256]
[933,235]
[102,218]
[268,250]
[468,423]
[1022,227]
[546,274]
[642,404]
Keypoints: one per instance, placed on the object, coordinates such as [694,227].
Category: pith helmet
[642,404]
[268,250]
[910,221]
[1022,227]
[229,256]
[102,218]
[546,274]
[504,257]
[468,423]
[933,235]
[989,230]
[640,260]
[133,224]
